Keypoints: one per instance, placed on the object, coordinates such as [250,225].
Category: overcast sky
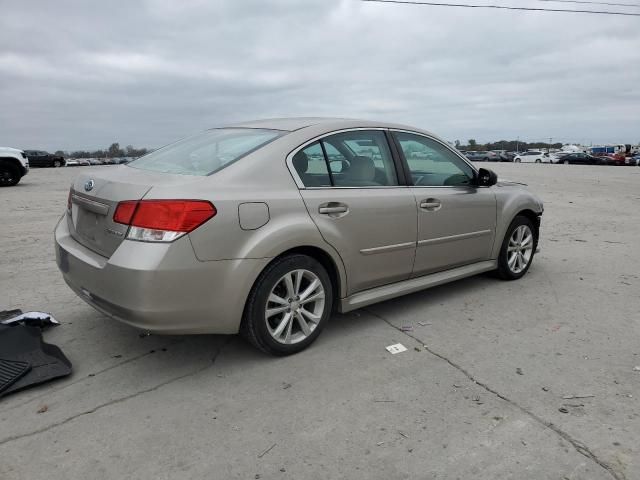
[84,74]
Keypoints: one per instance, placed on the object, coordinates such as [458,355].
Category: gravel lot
[478,397]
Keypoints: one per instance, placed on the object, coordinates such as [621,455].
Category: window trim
[444,144]
[402,183]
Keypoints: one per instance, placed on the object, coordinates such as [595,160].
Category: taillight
[124,212]
[162,220]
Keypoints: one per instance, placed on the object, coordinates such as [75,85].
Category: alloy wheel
[520,249]
[295,306]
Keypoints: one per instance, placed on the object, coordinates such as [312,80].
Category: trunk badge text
[89,185]
[114,232]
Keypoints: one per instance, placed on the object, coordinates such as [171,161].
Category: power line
[632,5]
[502,7]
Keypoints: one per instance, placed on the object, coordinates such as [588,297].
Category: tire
[267,333]
[517,160]
[566,162]
[538,161]
[9,174]
[523,257]
[57,163]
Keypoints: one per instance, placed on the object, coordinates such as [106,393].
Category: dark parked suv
[40,158]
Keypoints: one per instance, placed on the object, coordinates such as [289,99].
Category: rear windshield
[207,152]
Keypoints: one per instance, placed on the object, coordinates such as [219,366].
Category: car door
[456,219]
[351,188]
[33,158]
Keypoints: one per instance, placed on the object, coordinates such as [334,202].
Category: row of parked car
[85,162]
[536,156]
[15,163]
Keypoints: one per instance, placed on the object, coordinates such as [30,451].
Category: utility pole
[518,145]
[550,142]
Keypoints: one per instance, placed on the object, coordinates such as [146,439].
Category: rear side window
[207,152]
[359,158]
[311,166]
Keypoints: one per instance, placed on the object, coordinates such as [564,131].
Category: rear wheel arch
[336,274]
[326,260]
[253,327]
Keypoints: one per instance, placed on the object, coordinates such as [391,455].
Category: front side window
[207,152]
[432,164]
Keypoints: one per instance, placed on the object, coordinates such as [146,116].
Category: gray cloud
[85,74]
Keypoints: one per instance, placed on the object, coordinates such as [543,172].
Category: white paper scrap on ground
[397,348]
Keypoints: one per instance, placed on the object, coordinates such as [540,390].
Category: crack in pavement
[580,447]
[86,377]
[118,400]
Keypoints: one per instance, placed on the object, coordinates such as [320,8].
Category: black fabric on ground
[23,343]
[4,314]
[11,371]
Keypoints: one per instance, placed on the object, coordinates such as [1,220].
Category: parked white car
[532,157]
[14,165]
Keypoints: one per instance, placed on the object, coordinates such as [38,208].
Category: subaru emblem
[89,185]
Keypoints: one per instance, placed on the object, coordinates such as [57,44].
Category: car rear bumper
[159,287]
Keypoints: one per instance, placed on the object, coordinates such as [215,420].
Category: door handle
[332,208]
[327,210]
[431,204]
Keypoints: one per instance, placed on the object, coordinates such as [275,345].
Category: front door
[456,220]
[353,195]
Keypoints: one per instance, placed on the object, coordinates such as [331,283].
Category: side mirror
[486,178]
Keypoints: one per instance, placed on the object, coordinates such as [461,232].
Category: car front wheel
[9,175]
[518,249]
[288,306]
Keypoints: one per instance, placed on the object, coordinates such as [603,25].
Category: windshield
[207,152]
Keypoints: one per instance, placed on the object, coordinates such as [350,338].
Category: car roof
[328,123]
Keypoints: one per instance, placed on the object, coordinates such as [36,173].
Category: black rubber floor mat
[4,314]
[24,344]
[11,371]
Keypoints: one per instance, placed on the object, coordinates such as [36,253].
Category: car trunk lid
[95,195]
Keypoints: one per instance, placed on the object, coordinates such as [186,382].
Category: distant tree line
[114,151]
[508,145]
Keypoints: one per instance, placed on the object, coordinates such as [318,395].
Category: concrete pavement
[477,395]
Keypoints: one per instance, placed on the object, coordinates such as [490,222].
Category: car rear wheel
[538,161]
[518,249]
[288,306]
[9,175]
[57,163]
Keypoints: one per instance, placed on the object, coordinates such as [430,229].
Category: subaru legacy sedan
[267,227]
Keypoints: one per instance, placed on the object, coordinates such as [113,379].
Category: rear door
[349,183]
[456,219]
